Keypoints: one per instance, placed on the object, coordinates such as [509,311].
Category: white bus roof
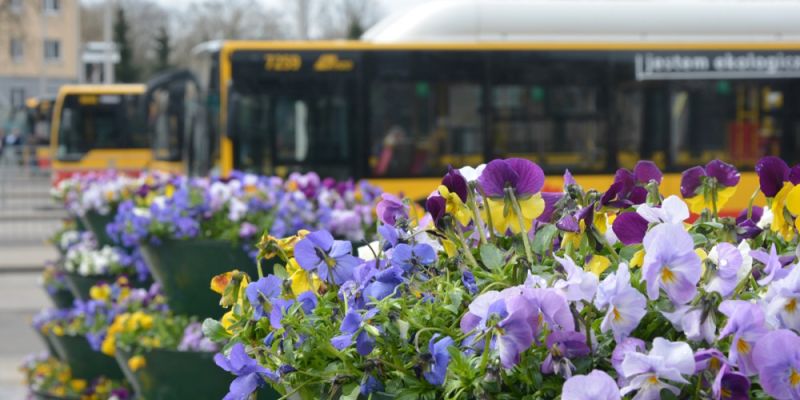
[592,21]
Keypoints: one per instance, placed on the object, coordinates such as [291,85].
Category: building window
[17,49]
[52,50]
[17,97]
[52,6]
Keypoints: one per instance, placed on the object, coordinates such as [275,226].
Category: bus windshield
[99,121]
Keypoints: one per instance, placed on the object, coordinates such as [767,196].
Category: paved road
[27,218]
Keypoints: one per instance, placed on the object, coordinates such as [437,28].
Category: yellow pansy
[598,264]
[454,206]
[58,330]
[78,385]
[700,202]
[169,190]
[227,320]
[302,280]
[783,199]
[504,217]
[638,259]
[221,281]
[109,346]
[100,292]
[269,244]
[136,362]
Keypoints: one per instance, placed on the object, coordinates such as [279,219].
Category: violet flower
[626,305]
[772,173]
[522,177]
[262,293]
[579,285]
[390,209]
[439,360]
[730,385]
[746,323]
[630,228]
[505,320]
[773,267]
[329,258]
[670,263]
[696,324]
[782,299]
[354,324]
[563,346]
[250,375]
[696,190]
[597,385]
[409,257]
[672,210]
[777,357]
[649,373]
[385,283]
[733,264]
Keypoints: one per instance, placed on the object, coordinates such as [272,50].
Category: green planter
[48,343]
[84,362]
[62,298]
[48,396]
[184,269]
[79,285]
[170,374]
[97,224]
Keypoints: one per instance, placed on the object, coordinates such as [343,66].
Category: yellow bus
[590,89]
[97,127]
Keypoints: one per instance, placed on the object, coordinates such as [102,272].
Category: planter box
[96,223]
[48,343]
[48,396]
[62,298]
[84,362]
[79,285]
[184,269]
[170,374]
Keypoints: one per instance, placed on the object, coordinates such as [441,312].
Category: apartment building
[39,49]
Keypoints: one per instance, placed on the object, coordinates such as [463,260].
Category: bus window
[98,122]
[426,117]
[251,123]
[550,108]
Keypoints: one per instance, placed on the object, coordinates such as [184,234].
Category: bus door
[176,122]
[282,121]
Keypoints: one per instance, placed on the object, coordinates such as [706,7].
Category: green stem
[260,271]
[467,251]
[488,211]
[523,229]
[477,217]
[485,356]
[750,203]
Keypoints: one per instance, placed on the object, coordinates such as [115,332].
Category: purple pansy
[692,179]
[390,208]
[772,172]
[579,284]
[503,319]
[730,385]
[408,257]
[261,293]
[354,324]
[436,370]
[385,283]
[773,267]
[626,305]
[648,374]
[597,385]
[250,375]
[319,252]
[746,323]
[732,265]
[630,228]
[670,263]
[523,176]
[563,346]
[777,357]
[782,299]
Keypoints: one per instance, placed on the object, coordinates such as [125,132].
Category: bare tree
[336,19]
[224,19]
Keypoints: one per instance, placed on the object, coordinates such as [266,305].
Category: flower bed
[502,291]
[52,379]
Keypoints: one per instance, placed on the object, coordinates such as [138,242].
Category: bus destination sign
[727,65]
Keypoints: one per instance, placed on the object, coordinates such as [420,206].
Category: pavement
[27,218]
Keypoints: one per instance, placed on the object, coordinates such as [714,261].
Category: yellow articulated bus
[590,89]
[97,127]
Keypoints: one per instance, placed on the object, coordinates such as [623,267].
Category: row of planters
[140,270]
[501,291]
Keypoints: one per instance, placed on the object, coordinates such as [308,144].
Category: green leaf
[699,239]
[350,392]
[627,252]
[279,271]
[213,330]
[543,241]
[491,256]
